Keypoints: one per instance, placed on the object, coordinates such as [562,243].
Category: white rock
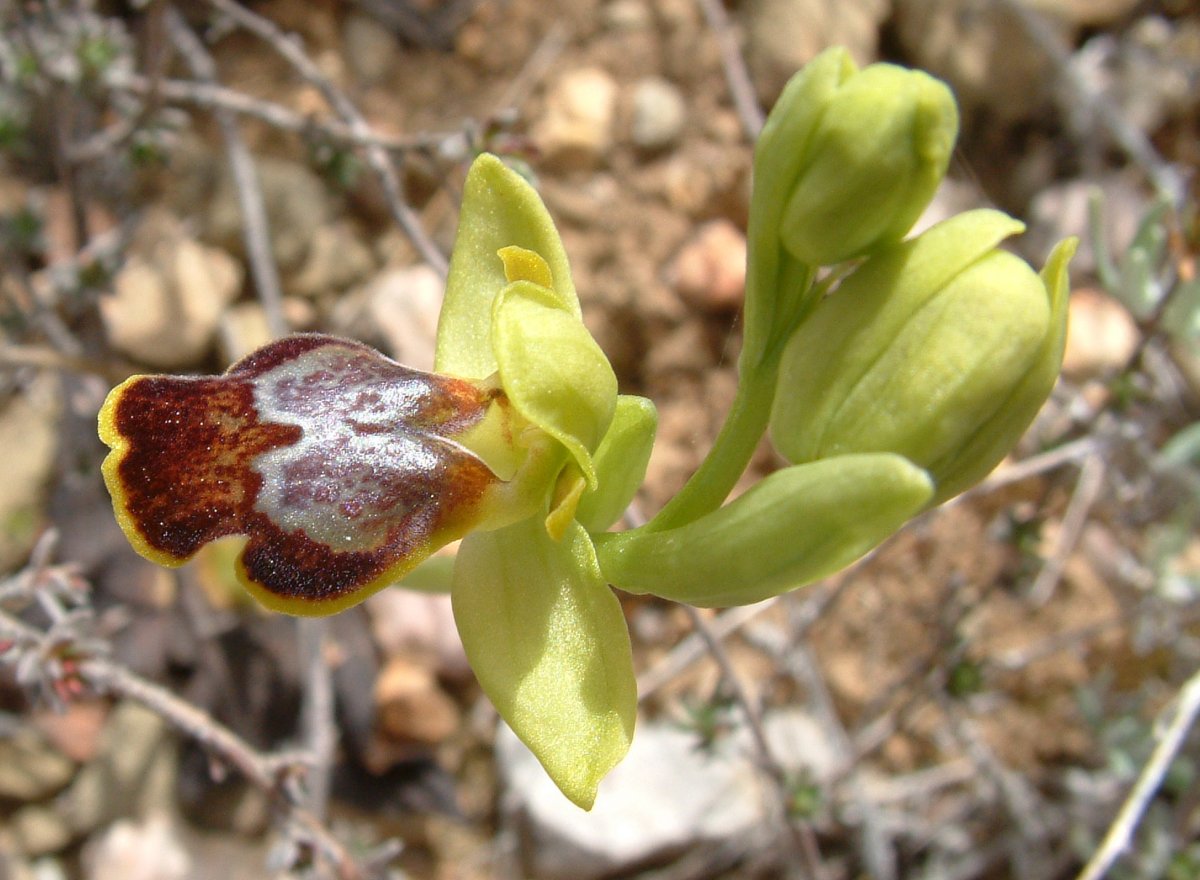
[576,127]
[370,48]
[403,305]
[667,795]
[169,296]
[659,114]
[148,850]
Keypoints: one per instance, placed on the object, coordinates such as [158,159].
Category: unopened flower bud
[854,155]
[941,349]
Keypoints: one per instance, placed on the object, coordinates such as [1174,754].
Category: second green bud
[855,155]
[941,349]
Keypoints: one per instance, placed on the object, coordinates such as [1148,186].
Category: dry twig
[255,225]
[1186,708]
[376,157]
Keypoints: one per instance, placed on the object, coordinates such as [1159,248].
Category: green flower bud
[941,349]
[855,156]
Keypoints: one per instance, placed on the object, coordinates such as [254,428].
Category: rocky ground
[974,701]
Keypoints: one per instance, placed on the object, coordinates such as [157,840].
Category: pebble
[30,767]
[297,205]
[576,126]
[336,259]
[666,797]
[709,271]
[982,50]
[398,310]
[369,48]
[784,35]
[659,114]
[1101,335]
[405,622]
[411,706]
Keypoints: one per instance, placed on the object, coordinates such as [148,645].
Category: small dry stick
[212,96]
[1087,490]
[801,832]
[1131,140]
[255,226]
[265,772]
[736,75]
[377,159]
[1120,834]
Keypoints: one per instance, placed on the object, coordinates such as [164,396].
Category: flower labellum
[342,468]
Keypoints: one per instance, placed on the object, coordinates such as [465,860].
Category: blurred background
[182,182]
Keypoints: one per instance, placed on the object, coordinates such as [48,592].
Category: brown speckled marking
[188,474]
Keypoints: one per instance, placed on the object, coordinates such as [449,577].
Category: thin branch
[1128,138]
[320,730]
[377,159]
[1087,490]
[1120,834]
[1076,450]
[264,771]
[42,358]
[213,96]
[801,832]
[255,225]
[745,101]
[692,648]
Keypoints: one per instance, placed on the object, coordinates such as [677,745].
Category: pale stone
[709,271]
[659,114]
[576,127]
[169,296]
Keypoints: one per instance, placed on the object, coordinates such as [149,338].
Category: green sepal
[795,526]
[549,645]
[992,442]
[499,209]
[847,335]
[552,370]
[778,155]
[620,460]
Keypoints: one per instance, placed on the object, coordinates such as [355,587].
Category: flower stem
[731,452]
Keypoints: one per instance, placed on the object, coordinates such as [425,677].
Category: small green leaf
[797,525]
[547,640]
[500,209]
[552,370]
[620,461]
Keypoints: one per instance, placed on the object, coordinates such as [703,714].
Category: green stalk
[711,484]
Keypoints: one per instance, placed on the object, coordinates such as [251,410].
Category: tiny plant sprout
[343,470]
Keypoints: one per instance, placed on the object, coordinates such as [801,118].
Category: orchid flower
[344,470]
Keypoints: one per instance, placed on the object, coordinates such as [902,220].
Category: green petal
[620,461]
[500,209]
[547,640]
[797,525]
[552,370]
